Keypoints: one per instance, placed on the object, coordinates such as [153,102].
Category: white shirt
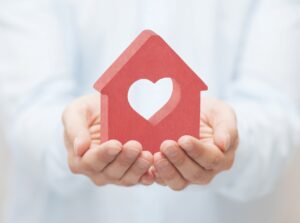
[247,52]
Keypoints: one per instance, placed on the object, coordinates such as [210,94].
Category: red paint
[149,57]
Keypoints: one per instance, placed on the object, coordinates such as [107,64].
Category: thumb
[224,126]
[77,130]
[81,143]
[222,138]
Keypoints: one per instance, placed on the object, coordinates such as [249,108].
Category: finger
[189,169]
[168,173]
[138,169]
[206,131]
[125,159]
[157,177]
[95,132]
[228,161]
[74,164]
[224,124]
[98,179]
[147,178]
[99,156]
[76,129]
[206,154]
[81,143]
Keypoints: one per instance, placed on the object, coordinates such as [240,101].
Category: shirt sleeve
[38,79]
[265,95]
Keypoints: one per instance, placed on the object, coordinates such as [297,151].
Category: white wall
[290,190]
[4,163]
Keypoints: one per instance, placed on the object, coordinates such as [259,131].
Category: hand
[104,163]
[197,161]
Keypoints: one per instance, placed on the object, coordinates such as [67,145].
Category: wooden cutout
[149,57]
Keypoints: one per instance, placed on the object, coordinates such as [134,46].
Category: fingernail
[142,164]
[131,153]
[187,145]
[162,164]
[171,152]
[112,151]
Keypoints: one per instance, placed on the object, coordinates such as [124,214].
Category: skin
[197,161]
[178,163]
[104,163]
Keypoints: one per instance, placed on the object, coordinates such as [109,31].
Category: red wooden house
[149,57]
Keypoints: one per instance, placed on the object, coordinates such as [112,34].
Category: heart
[147,98]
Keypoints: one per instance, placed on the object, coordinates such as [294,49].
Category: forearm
[36,137]
[37,81]
[265,97]
[269,134]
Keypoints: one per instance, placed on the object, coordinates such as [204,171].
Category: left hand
[103,163]
[196,161]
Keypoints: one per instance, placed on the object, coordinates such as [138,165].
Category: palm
[206,130]
[217,123]
[92,111]
[206,118]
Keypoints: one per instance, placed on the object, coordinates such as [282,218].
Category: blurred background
[4,167]
[288,188]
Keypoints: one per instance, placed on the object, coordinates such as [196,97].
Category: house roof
[132,49]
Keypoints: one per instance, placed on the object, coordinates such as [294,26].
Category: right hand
[104,163]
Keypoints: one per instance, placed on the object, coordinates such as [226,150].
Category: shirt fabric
[247,52]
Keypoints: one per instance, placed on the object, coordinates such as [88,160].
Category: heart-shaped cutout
[147,98]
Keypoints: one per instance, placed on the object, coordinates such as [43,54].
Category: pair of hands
[178,164]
